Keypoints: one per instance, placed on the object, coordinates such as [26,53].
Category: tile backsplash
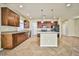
[8,28]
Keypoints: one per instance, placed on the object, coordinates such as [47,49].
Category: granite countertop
[46,31]
[13,32]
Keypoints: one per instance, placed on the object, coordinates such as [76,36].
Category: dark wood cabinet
[19,38]
[48,24]
[9,18]
[10,41]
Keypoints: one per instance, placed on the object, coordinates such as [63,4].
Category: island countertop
[46,32]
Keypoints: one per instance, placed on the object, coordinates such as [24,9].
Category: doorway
[33,28]
[77,27]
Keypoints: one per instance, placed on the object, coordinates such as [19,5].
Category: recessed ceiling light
[20,6]
[30,17]
[68,5]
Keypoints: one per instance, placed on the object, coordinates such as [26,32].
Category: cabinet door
[16,22]
[13,19]
[19,38]
[77,27]
[14,39]
[9,18]
[7,41]
[4,16]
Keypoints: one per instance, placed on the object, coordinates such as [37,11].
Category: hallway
[67,46]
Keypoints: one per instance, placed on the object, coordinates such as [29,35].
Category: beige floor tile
[67,46]
[75,51]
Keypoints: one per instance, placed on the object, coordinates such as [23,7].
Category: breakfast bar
[48,39]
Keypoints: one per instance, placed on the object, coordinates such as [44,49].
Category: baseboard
[1,49]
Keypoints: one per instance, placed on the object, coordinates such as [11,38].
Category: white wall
[33,28]
[77,27]
[68,28]
[65,28]
[71,28]
[21,27]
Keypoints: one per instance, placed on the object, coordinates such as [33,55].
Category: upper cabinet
[48,24]
[40,24]
[9,18]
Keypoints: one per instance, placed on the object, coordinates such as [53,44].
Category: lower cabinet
[12,40]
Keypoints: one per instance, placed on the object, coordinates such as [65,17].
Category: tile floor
[68,46]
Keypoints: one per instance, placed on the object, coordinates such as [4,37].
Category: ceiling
[34,9]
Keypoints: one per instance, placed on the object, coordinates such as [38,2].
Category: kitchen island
[48,39]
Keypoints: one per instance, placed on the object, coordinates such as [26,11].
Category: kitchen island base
[48,39]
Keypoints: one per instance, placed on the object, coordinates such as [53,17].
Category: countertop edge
[14,32]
